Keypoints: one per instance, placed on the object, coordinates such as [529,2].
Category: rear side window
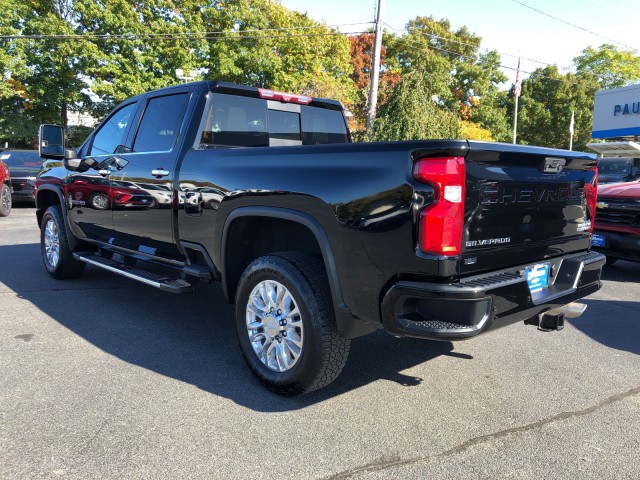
[158,131]
[321,125]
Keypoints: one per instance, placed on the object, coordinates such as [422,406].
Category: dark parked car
[618,169]
[24,166]
[5,190]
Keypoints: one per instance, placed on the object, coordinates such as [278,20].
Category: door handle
[159,172]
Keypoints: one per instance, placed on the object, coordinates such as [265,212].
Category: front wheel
[286,325]
[56,254]
[5,200]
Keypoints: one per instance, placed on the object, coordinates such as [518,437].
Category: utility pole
[517,90]
[375,70]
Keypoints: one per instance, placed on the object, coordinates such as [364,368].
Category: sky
[504,25]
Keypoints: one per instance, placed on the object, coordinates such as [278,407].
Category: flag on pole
[572,122]
[517,90]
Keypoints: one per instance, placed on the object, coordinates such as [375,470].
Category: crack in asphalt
[390,461]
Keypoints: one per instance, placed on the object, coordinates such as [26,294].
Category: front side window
[112,133]
[160,123]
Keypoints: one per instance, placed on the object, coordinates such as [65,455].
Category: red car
[5,190]
[100,193]
[617,227]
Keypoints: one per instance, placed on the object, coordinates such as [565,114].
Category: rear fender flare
[348,326]
[293,216]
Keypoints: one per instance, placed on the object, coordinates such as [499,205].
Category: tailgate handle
[553,165]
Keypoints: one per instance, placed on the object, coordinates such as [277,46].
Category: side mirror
[72,162]
[51,142]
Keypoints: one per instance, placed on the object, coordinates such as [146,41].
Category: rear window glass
[284,125]
[235,121]
[321,125]
[21,159]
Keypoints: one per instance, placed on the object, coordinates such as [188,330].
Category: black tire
[65,266]
[611,260]
[5,200]
[324,352]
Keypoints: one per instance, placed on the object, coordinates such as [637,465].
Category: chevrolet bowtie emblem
[602,205]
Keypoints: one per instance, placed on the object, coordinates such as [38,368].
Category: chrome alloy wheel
[51,243]
[274,326]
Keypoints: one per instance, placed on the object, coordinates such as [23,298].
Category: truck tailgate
[525,204]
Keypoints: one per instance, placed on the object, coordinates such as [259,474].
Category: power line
[573,24]
[241,34]
[173,36]
[469,57]
[475,46]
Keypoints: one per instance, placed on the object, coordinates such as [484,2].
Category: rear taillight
[591,196]
[441,222]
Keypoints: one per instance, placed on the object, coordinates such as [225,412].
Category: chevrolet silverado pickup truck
[315,239]
[617,228]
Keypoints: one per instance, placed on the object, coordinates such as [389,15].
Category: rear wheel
[56,254]
[5,200]
[286,326]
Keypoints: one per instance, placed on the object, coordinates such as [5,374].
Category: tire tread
[334,348]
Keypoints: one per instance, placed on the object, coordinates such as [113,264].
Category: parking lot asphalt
[106,378]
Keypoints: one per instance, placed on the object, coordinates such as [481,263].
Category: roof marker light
[284,97]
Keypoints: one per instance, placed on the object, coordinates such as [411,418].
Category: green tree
[609,66]
[412,114]
[462,78]
[361,59]
[142,45]
[264,44]
[548,100]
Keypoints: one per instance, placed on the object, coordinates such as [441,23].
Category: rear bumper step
[167,284]
[461,310]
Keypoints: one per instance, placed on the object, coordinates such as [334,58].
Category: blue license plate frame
[538,276]
[599,240]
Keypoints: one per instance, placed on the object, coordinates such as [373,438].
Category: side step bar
[166,284]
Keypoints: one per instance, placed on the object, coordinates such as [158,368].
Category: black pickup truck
[316,239]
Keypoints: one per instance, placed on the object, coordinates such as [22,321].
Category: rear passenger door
[144,199]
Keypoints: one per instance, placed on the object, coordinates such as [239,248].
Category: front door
[89,193]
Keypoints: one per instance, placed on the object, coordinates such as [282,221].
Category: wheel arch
[47,196]
[234,257]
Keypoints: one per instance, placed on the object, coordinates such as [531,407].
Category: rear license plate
[537,277]
[598,240]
